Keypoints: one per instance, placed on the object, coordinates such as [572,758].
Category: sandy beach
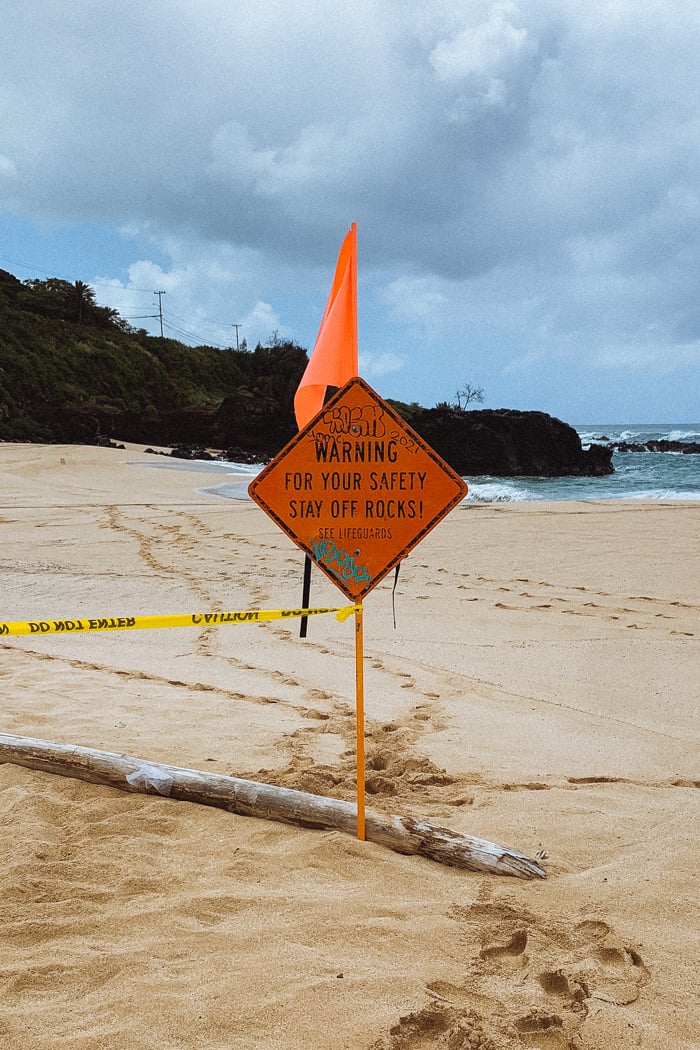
[540,689]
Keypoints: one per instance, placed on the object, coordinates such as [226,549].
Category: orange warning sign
[357,489]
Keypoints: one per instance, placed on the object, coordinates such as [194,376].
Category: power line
[33,268]
[196,325]
[108,287]
[182,332]
[196,330]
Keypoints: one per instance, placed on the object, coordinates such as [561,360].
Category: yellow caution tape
[140,623]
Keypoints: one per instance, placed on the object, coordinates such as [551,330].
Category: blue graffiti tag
[339,562]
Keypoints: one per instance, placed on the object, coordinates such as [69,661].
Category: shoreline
[647,482]
[538,690]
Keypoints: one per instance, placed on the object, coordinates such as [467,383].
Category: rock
[255,426]
[509,443]
[68,424]
[191,452]
[687,448]
[628,446]
[253,429]
[236,454]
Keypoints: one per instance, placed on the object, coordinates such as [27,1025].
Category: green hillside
[75,372]
[60,352]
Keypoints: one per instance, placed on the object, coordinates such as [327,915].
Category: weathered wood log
[253,799]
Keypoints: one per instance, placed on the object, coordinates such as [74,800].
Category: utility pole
[236,326]
[160,310]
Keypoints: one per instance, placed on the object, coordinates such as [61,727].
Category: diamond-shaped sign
[357,489]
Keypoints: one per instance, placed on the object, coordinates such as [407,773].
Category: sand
[540,690]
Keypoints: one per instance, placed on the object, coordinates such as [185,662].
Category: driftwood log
[252,799]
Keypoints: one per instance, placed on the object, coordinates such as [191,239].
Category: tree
[107,316]
[81,302]
[467,395]
[47,298]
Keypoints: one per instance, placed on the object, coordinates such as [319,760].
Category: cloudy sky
[525,179]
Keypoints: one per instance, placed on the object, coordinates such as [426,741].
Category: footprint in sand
[437,1025]
[317,694]
[529,983]
[512,952]
[542,1031]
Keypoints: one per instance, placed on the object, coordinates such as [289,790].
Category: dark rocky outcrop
[501,442]
[253,424]
[97,425]
[253,427]
[658,445]
[508,443]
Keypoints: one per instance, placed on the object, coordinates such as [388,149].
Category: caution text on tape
[136,623]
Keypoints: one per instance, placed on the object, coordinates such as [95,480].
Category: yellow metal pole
[360,721]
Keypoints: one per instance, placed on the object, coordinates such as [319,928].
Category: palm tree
[81,301]
[107,317]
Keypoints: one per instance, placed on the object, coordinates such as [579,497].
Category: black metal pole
[305,596]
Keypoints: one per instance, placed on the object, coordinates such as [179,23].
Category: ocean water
[638,475]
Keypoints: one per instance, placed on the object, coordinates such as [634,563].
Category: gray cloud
[507,164]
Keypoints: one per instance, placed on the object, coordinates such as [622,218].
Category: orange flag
[334,358]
